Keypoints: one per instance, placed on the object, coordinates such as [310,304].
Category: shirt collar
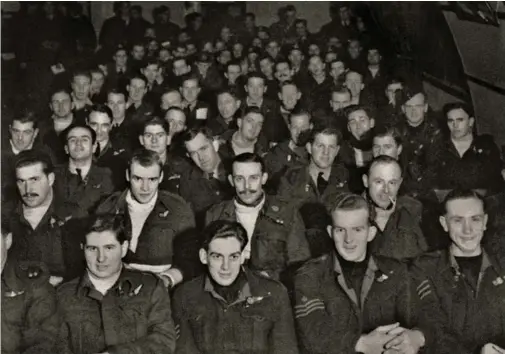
[249,103]
[84,170]
[245,292]
[16,151]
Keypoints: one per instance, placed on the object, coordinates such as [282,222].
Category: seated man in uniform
[397,218]
[111,309]
[465,281]
[156,220]
[231,309]
[465,159]
[351,300]
[30,322]
[275,230]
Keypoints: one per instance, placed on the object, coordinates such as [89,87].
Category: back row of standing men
[224,178]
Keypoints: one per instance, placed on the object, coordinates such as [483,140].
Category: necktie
[79,175]
[97,151]
[321,183]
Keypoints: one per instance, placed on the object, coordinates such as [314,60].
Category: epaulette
[314,265]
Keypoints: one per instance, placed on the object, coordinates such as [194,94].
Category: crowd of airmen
[266,191]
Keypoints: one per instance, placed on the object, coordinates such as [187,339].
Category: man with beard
[268,220]
[356,152]
[80,184]
[228,103]
[291,152]
[397,218]
[352,300]
[231,308]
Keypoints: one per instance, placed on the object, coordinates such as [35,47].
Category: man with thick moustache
[275,229]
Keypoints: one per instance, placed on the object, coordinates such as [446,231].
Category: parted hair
[145,158]
[32,157]
[460,193]
[105,222]
[224,229]
[349,202]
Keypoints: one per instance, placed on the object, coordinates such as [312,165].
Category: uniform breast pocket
[203,330]
[270,252]
[254,330]
[135,321]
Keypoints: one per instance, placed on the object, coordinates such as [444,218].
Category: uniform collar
[127,282]
[244,293]
[371,268]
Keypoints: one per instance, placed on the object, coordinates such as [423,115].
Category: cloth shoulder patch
[423,289]
[308,306]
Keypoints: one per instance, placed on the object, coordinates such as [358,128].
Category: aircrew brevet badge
[498,281]
[275,208]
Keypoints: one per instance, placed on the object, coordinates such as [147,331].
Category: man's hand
[491,348]
[407,341]
[54,280]
[373,342]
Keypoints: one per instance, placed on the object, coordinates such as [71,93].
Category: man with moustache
[231,308]
[157,222]
[464,283]
[30,320]
[109,308]
[352,300]
[275,231]
[396,218]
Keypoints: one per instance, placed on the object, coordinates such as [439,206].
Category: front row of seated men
[346,301]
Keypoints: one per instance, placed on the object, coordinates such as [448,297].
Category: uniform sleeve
[185,340]
[298,247]
[160,336]
[42,321]
[283,337]
[430,317]
[318,331]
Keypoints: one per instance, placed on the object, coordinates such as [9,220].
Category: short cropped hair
[145,158]
[357,107]
[325,130]
[191,133]
[224,229]
[460,193]
[458,105]
[349,202]
[249,157]
[64,134]
[383,160]
[33,157]
[383,131]
[101,108]
[26,115]
[105,222]
[156,121]
[255,75]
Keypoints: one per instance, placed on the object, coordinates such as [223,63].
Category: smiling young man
[467,280]
[141,323]
[352,300]
[231,308]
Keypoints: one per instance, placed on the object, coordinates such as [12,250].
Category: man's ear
[124,248]
[264,178]
[485,222]
[365,180]
[245,88]
[372,232]
[239,102]
[95,145]
[400,149]
[443,222]
[308,147]
[8,240]
[239,123]
[141,140]
[329,229]
[372,122]
[161,177]
[215,144]
[51,178]
[298,95]
[425,107]
[403,108]
[230,179]
[35,133]
[280,96]
[471,121]
[203,256]
[127,174]
[128,88]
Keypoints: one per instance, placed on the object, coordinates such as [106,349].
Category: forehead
[316,60]
[289,89]
[190,83]
[98,117]
[253,116]
[152,66]
[373,51]
[174,95]
[225,96]
[138,47]
[356,217]
[81,79]
[341,96]
[145,171]
[337,64]
[58,96]
[465,207]
[175,115]
[197,142]
[137,82]
[97,75]
[179,63]
[234,67]
[116,97]
[78,132]
[21,125]
[224,246]
[395,86]
[457,113]
[154,128]
[255,81]
[282,66]
[121,53]
[101,238]
[246,168]
[353,77]
[35,169]
[383,140]
[385,171]
[300,119]
[358,114]
[323,138]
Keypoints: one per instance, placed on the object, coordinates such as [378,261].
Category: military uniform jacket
[134,316]
[469,318]
[259,321]
[280,159]
[402,238]
[298,186]
[331,317]
[82,198]
[170,219]
[116,159]
[278,239]
[30,322]
[51,242]
[479,167]
[269,109]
